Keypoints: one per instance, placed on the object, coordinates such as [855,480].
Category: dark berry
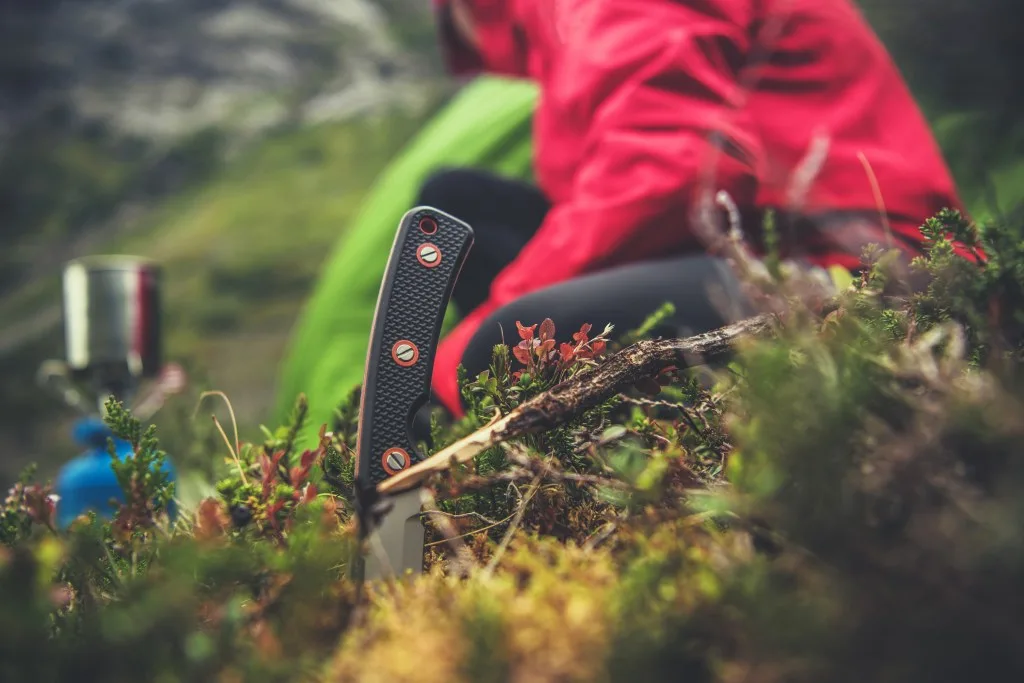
[241,515]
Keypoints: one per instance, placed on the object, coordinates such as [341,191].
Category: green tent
[486,125]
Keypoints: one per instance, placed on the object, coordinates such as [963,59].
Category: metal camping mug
[112,318]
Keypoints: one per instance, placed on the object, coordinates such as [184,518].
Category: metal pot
[112,326]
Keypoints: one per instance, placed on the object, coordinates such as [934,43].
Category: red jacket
[630,92]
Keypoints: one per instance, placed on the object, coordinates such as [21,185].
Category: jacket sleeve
[658,95]
[650,98]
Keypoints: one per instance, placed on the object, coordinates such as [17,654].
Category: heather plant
[841,501]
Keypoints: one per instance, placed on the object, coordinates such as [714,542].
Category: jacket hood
[501,51]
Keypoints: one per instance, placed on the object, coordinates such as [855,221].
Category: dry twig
[586,390]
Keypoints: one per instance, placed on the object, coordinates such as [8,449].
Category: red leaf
[547,330]
[598,347]
[522,354]
[581,336]
[324,441]
[308,458]
[266,467]
[38,504]
[272,511]
[545,347]
[525,332]
[211,520]
[567,351]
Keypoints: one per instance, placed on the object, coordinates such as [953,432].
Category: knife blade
[429,250]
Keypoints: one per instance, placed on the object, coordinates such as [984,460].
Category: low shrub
[843,502]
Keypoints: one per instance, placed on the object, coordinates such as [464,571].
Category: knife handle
[425,261]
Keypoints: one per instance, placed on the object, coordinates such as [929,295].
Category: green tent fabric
[486,125]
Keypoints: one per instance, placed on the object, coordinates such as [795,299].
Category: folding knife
[425,261]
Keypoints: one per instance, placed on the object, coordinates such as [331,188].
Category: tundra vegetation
[220,206]
[842,499]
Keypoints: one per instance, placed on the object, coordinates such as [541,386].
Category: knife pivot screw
[428,255]
[428,226]
[405,353]
[395,460]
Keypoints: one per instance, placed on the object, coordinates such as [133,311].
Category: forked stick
[584,391]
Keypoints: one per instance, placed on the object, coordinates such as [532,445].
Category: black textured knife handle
[425,261]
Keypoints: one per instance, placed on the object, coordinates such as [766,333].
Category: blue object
[88,482]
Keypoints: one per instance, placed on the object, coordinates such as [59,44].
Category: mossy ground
[843,503]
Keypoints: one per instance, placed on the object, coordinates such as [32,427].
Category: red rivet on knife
[405,353]
[395,460]
[428,226]
[428,255]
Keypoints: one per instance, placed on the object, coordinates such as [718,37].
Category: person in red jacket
[794,106]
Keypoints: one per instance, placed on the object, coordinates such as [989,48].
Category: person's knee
[704,292]
[447,189]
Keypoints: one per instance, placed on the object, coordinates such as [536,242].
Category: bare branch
[586,390]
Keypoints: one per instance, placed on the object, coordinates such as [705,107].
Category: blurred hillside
[105,105]
[233,140]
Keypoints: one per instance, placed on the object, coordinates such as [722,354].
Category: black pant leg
[625,296]
[504,215]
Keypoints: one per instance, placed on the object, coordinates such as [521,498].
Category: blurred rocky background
[230,138]
[233,139]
